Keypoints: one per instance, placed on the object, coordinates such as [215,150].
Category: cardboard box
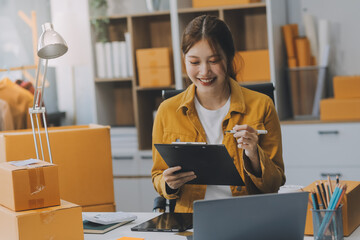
[99,208]
[213,3]
[83,156]
[350,209]
[153,57]
[346,87]
[340,109]
[155,77]
[254,66]
[60,222]
[30,186]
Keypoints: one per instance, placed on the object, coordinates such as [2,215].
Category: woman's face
[205,68]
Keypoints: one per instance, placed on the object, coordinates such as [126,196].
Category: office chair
[161,204]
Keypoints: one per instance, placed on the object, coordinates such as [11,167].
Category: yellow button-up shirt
[177,120]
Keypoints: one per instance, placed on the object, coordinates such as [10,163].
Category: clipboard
[211,163]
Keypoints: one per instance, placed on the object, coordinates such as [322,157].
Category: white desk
[125,231]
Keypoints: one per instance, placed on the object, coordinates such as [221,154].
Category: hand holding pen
[247,139]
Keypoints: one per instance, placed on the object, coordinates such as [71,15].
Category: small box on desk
[60,222]
[340,109]
[29,186]
[350,208]
[213,3]
[155,77]
[346,87]
[99,208]
[83,157]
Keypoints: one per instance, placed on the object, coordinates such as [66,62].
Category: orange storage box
[153,57]
[340,109]
[350,209]
[82,154]
[155,77]
[255,67]
[29,186]
[99,208]
[60,222]
[346,87]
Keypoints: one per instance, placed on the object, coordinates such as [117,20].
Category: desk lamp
[51,45]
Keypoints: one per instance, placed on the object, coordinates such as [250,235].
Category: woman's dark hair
[217,34]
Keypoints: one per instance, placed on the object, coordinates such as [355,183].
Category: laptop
[253,217]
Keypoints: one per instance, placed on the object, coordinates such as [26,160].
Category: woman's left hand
[247,139]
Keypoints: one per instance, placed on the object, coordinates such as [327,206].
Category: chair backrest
[265,88]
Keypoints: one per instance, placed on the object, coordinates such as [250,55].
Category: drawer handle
[328,132]
[330,174]
[123,157]
[146,157]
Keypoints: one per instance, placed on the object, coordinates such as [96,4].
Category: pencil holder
[328,224]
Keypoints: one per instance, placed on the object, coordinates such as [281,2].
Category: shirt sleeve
[270,155]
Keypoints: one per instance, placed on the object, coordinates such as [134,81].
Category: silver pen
[257,131]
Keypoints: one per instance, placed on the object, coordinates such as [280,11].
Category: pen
[257,131]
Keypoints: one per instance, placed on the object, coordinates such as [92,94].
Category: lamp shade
[51,44]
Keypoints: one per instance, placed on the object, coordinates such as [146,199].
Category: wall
[344,35]
[74,71]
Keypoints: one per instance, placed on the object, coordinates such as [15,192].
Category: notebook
[255,217]
[91,227]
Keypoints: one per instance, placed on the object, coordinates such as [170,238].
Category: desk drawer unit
[325,144]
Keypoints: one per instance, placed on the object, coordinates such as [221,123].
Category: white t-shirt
[211,121]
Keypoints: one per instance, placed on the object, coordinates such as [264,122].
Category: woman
[212,104]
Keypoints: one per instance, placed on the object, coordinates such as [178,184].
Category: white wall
[74,70]
[344,34]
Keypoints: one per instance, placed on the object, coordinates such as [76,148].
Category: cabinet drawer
[306,175]
[125,164]
[145,162]
[334,144]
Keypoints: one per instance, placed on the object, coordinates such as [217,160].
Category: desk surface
[125,231]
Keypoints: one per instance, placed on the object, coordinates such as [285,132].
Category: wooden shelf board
[315,121]
[154,88]
[99,80]
[219,8]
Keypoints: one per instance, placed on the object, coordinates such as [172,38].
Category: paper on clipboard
[211,163]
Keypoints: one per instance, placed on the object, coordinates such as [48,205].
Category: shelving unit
[249,24]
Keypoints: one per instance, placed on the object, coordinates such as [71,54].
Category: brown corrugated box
[350,209]
[154,67]
[29,187]
[155,77]
[99,208]
[60,222]
[213,3]
[340,109]
[153,57]
[83,156]
[255,68]
[346,87]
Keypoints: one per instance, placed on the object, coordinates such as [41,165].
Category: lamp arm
[36,93]
[43,83]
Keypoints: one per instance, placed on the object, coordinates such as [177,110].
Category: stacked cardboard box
[83,155]
[246,65]
[346,102]
[30,203]
[154,67]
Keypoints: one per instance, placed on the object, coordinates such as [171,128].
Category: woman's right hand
[176,179]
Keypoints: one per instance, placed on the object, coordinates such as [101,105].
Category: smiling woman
[212,104]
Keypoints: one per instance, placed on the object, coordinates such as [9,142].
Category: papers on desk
[104,222]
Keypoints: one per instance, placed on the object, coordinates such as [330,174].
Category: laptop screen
[263,216]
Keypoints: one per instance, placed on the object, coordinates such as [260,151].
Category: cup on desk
[328,224]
